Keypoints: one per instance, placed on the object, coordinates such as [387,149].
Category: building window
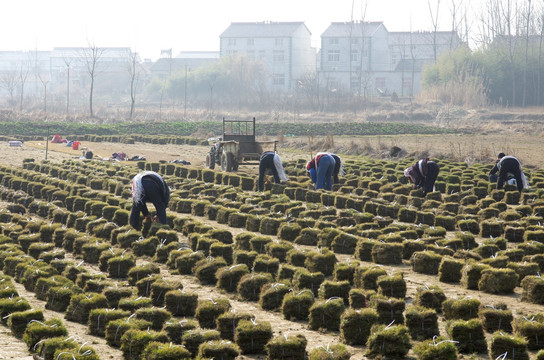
[279,42]
[231,52]
[354,55]
[406,83]
[250,42]
[278,79]
[333,41]
[262,54]
[354,40]
[380,83]
[334,55]
[278,56]
[251,55]
[232,42]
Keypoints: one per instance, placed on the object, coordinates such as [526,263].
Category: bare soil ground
[527,147]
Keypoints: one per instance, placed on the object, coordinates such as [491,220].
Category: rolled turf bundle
[344,243]
[116,328]
[19,320]
[187,262]
[531,328]
[245,257]
[272,294]
[289,231]
[532,289]
[134,303]
[58,298]
[205,269]
[114,294]
[329,289]
[430,297]
[160,287]
[192,339]
[327,235]
[515,347]
[81,305]
[387,253]
[278,250]
[366,277]
[297,305]
[321,261]
[266,264]
[249,286]
[523,269]
[38,330]
[468,334]
[142,271]
[218,349]
[307,236]
[99,319]
[176,329]
[498,281]
[495,318]
[304,279]
[287,271]
[345,271]
[296,257]
[326,314]
[258,243]
[229,277]
[159,350]
[391,341]
[359,298]
[119,266]
[463,309]
[490,228]
[287,347]
[48,347]
[252,336]
[269,225]
[156,316]
[471,274]
[425,262]
[422,322]
[355,325]
[449,270]
[438,348]
[330,352]
[209,310]
[134,341]
[392,286]
[180,303]
[388,309]
[409,247]
[227,322]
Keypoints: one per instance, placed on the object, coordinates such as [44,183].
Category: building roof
[409,65]
[262,29]
[422,37]
[198,55]
[342,29]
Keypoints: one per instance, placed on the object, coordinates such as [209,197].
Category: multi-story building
[365,58]
[283,47]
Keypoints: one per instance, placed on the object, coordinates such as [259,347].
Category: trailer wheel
[227,161]
[235,165]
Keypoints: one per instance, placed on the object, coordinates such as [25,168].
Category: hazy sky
[185,25]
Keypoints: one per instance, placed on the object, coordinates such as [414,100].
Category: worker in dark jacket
[271,162]
[423,174]
[508,168]
[148,186]
[321,169]
[338,168]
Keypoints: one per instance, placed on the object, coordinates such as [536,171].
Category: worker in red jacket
[423,174]
[321,170]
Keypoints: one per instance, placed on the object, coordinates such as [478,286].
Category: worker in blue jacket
[321,170]
[148,186]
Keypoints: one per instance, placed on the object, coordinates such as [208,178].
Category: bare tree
[44,79]
[23,75]
[8,81]
[528,19]
[134,71]
[434,24]
[92,55]
[540,43]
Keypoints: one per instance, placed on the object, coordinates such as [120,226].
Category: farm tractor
[237,146]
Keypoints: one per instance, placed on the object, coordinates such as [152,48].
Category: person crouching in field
[270,161]
[321,169]
[509,168]
[423,174]
[148,186]
[338,168]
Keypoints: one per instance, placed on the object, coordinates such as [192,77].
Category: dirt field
[466,148]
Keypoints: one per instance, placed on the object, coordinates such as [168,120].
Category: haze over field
[191,25]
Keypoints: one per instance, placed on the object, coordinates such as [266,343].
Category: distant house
[185,60]
[365,58]
[283,47]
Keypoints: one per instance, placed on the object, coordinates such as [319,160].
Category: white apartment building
[365,58]
[283,47]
